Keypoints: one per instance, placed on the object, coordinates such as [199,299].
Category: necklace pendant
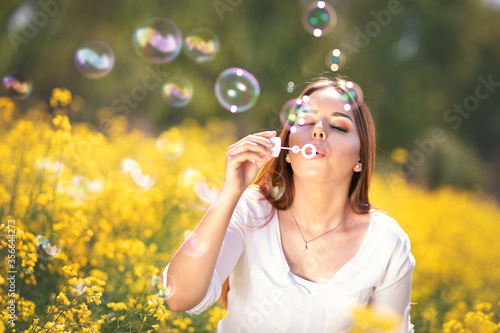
[304,247]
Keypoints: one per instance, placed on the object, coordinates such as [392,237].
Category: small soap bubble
[48,247]
[79,287]
[292,111]
[159,290]
[335,60]
[287,114]
[80,186]
[351,95]
[48,168]
[170,143]
[290,87]
[198,191]
[201,45]
[17,85]
[319,18]
[138,172]
[275,184]
[237,90]
[94,59]
[157,40]
[177,91]
[196,246]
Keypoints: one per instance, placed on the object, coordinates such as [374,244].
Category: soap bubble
[94,59]
[170,143]
[352,95]
[177,91]
[237,90]
[292,110]
[80,186]
[319,18]
[157,40]
[290,87]
[79,286]
[48,247]
[335,60]
[196,246]
[201,45]
[138,171]
[49,168]
[275,184]
[20,19]
[17,85]
[159,290]
[197,189]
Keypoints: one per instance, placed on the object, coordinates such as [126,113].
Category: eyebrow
[335,113]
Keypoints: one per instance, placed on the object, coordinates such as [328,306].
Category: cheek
[298,138]
[348,146]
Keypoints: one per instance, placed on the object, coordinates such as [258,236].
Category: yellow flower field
[89,221]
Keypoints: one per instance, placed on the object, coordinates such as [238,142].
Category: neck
[320,206]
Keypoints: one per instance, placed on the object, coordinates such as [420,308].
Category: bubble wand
[275,151]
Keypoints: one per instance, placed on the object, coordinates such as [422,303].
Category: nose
[318,131]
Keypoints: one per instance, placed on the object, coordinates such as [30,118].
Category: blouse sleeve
[231,250]
[394,290]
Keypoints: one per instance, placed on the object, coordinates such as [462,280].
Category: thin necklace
[305,242]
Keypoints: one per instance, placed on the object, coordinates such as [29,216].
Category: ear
[358,166]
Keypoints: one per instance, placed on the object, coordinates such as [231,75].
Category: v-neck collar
[314,287]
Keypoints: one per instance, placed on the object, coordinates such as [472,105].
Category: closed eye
[337,128]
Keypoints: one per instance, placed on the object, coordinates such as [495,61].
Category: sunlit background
[140,99]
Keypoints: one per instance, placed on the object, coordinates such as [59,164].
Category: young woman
[300,260]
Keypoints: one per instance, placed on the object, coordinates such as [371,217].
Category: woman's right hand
[244,160]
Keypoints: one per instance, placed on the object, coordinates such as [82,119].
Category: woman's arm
[393,293]
[192,275]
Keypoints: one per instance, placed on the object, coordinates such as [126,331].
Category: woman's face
[333,131]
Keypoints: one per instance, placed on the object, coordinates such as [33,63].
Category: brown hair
[278,170]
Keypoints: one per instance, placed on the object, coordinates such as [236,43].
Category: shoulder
[388,231]
[253,207]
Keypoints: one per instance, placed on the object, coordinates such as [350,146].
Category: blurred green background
[415,66]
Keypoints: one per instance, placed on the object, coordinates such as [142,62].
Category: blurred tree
[414,60]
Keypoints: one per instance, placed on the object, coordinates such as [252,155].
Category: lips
[320,152]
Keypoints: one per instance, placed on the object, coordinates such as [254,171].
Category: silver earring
[287,158]
[358,167]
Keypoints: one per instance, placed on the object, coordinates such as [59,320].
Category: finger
[249,146]
[261,138]
[265,141]
[267,134]
[238,159]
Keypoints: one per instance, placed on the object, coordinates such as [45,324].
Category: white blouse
[265,296]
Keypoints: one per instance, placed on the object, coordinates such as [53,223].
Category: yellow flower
[70,271]
[117,306]
[60,96]
[62,298]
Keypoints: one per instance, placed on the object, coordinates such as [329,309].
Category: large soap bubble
[177,91]
[237,90]
[157,40]
[201,45]
[94,59]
